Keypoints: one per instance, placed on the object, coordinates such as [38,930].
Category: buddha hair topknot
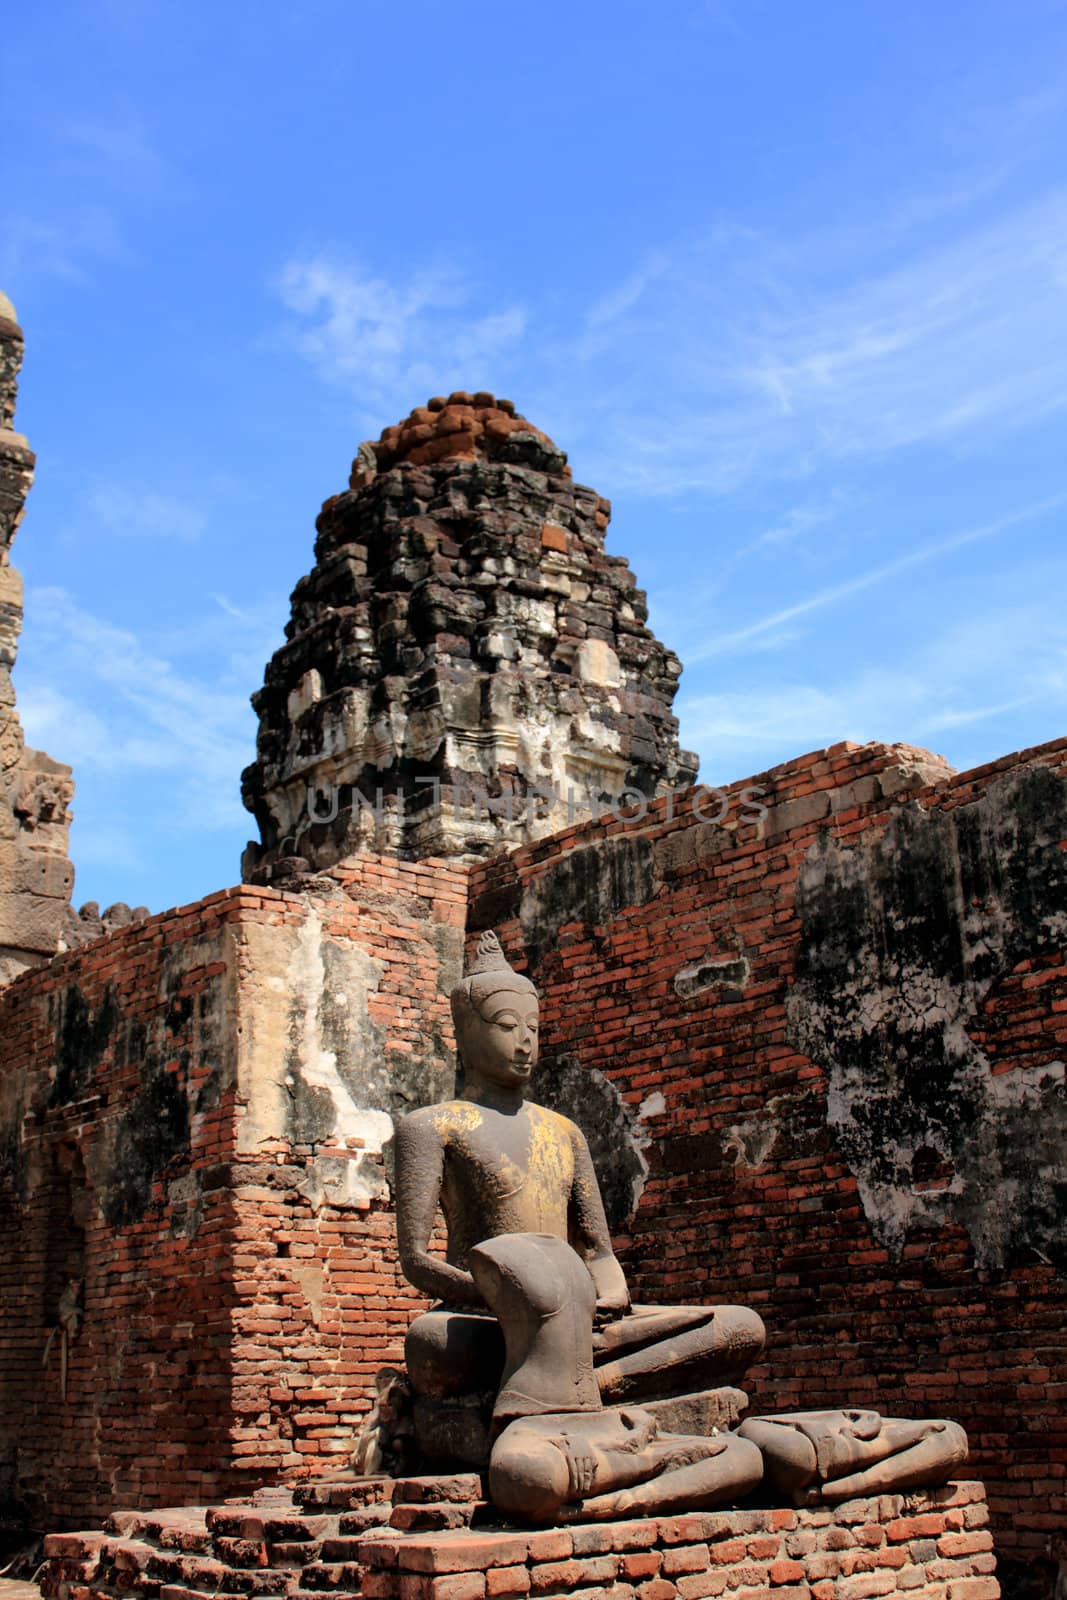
[490,973]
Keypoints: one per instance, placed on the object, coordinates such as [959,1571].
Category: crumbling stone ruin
[816,1047]
[36,877]
[466,666]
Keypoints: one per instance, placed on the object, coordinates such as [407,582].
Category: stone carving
[499,1165]
[813,1456]
[36,877]
[464,641]
[560,1455]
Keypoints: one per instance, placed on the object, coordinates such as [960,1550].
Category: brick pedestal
[928,1546]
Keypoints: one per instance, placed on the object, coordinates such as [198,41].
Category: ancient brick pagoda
[465,656]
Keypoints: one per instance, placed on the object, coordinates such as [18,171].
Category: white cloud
[731,354]
[395,343]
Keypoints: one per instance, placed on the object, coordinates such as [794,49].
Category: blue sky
[789,283]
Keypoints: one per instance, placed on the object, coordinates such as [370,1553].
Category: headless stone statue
[497,1164]
[517,1187]
[559,1455]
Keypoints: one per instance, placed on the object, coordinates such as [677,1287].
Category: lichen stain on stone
[590,885]
[82,1036]
[903,939]
[152,1130]
[614,1135]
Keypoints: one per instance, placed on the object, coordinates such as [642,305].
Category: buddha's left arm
[591,1230]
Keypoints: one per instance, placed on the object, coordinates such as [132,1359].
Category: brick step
[294,1554]
[275,1527]
[272,1494]
[428,1515]
[184,1527]
[130,1555]
[179,1591]
[332,1575]
[343,1494]
[209,1576]
[240,1553]
[74,1546]
[364,1518]
[446,1488]
[64,1572]
[341,1549]
[354,1593]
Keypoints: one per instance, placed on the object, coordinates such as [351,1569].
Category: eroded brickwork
[198,1278]
[36,878]
[838,1035]
[934,1546]
[463,637]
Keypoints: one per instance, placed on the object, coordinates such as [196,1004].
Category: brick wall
[192,1119]
[835,1040]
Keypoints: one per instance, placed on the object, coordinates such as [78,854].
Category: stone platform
[436,1539]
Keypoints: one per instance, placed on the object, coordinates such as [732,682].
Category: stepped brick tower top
[466,667]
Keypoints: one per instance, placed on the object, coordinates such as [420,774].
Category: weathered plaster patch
[750,1141]
[729,976]
[903,939]
[311,1063]
[312,1280]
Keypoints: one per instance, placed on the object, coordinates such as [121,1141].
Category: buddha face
[500,1038]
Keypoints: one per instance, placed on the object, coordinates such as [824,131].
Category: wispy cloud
[956,681]
[102,170]
[626,295]
[117,705]
[731,354]
[394,343]
[833,594]
[33,246]
[779,361]
[143,513]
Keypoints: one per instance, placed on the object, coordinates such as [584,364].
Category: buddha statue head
[494,1009]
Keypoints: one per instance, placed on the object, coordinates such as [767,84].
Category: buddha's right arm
[420,1159]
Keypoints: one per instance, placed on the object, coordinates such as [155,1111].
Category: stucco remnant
[312,1068]
[728,976]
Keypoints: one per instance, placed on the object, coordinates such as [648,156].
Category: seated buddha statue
[495,1163]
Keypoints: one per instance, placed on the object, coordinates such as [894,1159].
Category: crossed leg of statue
[650,1352]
